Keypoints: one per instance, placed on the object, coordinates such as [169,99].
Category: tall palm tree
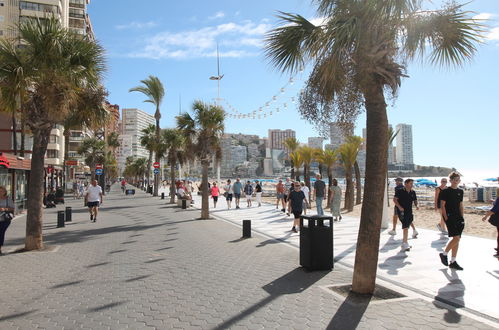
[154,90]
[307,156]
[328,159]
[358,53]
[297,162]
[291,144]
[174,143]
[113,141]
[348,154]
[357,140]
[62,65]
[203,132]
[94,151]
[149,142]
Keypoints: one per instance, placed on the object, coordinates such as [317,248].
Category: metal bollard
[162,195]
[184,204]
[246,228]
[60,219]
[69,214]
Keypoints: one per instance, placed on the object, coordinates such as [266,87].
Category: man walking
[248,192]
[453,213]
[400,185]
[258,192]
[238,187]
[288,187]
[93,199]
[319,188]
[296,202]
[404,198]
[279,189]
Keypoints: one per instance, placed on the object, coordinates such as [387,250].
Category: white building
[404,150]
[133,122]
[315,142]
[338,132]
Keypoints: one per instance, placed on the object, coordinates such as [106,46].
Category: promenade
[148,265]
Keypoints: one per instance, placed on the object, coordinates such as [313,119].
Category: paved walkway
[148,265]
[419,270]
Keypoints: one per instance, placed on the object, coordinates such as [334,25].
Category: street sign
[71,162]
[98,171]
[98,166]
[156,171]
[156,165]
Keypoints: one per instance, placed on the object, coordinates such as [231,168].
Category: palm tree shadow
[394,263]
[451,294]
[350,313]
[294,282]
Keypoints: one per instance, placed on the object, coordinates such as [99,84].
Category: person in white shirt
[93,198]
[306,191]
[229,192]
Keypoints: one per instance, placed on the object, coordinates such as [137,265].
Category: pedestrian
[453,213]
[215,192]
[258,193]
[6,214]
[81,188]
[335,200]
[400,185]
[288,186]
[296,201]
[319,188]
[493,217]
[228,193]
[238,187]
[123,185]
[279,188]
[93,199]
[306,191]
[75,189]
[404,198]
[438,191]
[248,192]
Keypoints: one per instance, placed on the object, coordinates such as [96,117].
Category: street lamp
[218,77]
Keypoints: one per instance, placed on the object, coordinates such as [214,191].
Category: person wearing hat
[400,185]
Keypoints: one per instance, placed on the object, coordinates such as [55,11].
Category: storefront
[14,176]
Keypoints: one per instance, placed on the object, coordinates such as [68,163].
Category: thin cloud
[242,39]
[484,16]
[218,15]
[136,26]
[493,34]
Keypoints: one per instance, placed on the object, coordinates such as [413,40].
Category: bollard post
[69,214]
[246,228]
[162,195]
[184,204]
[60,219]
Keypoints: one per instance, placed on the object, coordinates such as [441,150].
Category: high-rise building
[338,132]
[315,142]
[277,138]
[404,151]
[133,122]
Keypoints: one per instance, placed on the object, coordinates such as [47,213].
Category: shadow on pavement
[16,315]
[394,263]
[63,285]
[98,265]
[138,278]
[391,244]
[104,307]
[294,282]
[350,313]
[274,240]
[449,295]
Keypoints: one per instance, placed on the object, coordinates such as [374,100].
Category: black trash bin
[316,242]
[149,189]
[60,219]
[69,214]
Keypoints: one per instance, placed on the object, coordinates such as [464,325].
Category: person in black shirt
[404,198]
[400,185]
[258,191]
[296,199]
[452,211]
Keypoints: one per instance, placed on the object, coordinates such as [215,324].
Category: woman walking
[335,200]
[258,192]
[306,191]
[6,214]
[215,192]
[229,192]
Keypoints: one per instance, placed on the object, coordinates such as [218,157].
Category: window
[52,153]
[1,18]
[76,13]
[1,33]
[26,5]
[77,3]
[1,4]
[76,23]
[54,139]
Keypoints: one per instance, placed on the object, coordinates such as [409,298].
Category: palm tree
[113,141]
[358,53]
[203,133]
[174,143]
[328,159]
[148,140]
[348,154]
[307,156]
[61,65]
[154,90]
[357,140]
[94,151]
[291,144]
[297,162]
[318,153]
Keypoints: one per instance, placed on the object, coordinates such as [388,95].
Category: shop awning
[14,162]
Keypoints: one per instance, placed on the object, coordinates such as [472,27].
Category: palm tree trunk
[297,175]
[366,258]
[306,169]
[23,137]
[34,218]
[156,176]
[292,169]
[349,190]
[358,184]
[205,211]
[148,170]
[14,133]
[66,155]
[172,183]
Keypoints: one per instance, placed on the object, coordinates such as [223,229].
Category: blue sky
[453,111]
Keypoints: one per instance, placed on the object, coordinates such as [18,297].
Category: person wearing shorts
[400,185]
[93,199]
[229,192]
[453,213]
[403,200]
[438,191]
[296,202]
[288,187]
[238,189]
[258,192]
[248,192]
[214,194]
[279,188]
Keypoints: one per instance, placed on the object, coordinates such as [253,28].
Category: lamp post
[218,77]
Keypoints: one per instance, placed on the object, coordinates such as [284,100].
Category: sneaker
[392,232]
[288,214]
[406,247]
[443,259]
[91,217]
[415,234]
[455,266]
[283,210]
[237,207]
[294,230]
[440,228]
